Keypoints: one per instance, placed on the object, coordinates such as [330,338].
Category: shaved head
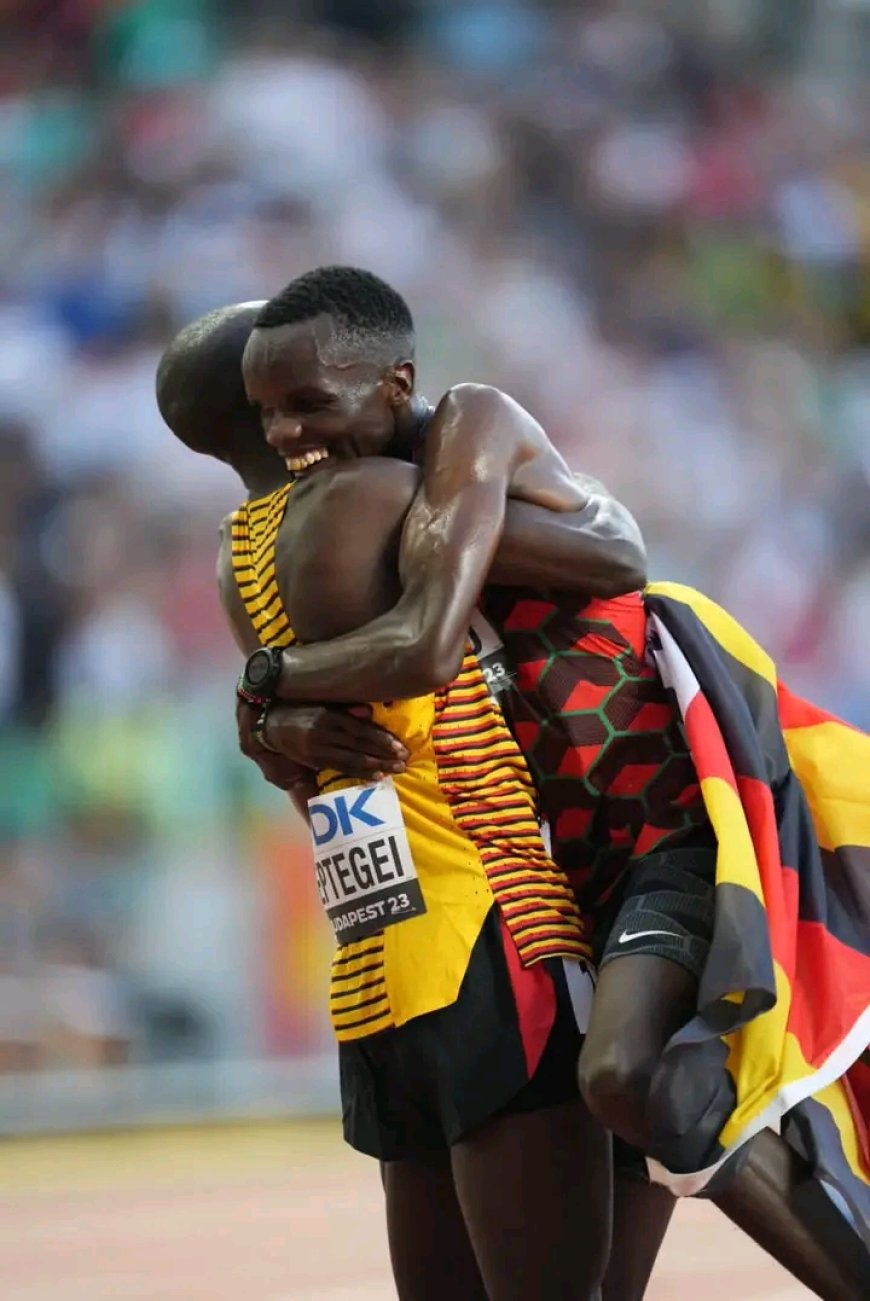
[200,392]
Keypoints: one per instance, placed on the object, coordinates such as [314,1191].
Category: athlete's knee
[615,1084]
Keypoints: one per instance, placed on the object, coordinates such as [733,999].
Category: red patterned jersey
[599,731]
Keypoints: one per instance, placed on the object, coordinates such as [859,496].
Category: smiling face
[319,401]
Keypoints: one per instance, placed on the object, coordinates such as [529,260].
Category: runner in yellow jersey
[408,870]
[456,1020]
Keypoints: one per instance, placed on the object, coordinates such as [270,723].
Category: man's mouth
[304,460]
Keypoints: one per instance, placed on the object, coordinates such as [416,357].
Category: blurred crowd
[649,221]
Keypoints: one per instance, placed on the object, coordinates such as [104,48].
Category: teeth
[296,464]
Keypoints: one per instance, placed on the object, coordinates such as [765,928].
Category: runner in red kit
[599,732]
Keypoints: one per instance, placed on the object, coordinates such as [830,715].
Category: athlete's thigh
[640,1002]
[430,1250]
[652,960]
[535,1190]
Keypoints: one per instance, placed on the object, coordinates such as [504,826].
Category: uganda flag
[782,1025]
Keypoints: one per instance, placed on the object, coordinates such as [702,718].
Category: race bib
[494,664]
[365,874]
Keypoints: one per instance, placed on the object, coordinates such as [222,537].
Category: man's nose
[282,430]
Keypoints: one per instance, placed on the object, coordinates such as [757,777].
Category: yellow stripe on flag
[736,863]
[832,764]
[763,1057]
[719,623]
[835,1101]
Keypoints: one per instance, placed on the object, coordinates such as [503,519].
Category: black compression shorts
[667,908]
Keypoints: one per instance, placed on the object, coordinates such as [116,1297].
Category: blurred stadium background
[648,220]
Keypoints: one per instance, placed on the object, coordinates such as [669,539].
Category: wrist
[259,731]
[242,693]
[259,680]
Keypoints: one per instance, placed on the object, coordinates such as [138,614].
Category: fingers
[314,736]
[278,773]
[320,737]
[246,716]
[370,739]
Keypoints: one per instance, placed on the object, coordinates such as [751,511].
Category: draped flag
[783,1014]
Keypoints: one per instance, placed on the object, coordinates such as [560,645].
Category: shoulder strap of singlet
[254,531]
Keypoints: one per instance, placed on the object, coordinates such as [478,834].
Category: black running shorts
[431,1082]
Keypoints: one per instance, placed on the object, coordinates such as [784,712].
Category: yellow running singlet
[469,809]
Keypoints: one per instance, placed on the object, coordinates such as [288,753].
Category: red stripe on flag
[829,991]
[797,712]
[706,743]
[779,884]
[856,1085]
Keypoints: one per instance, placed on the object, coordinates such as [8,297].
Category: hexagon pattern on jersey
[601,737]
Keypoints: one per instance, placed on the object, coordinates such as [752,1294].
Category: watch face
[258,668]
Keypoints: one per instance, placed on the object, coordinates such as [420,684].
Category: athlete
[330,366]
[458,1040]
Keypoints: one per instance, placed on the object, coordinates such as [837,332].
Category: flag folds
[782,1025]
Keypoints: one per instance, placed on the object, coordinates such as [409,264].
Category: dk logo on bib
[365,874]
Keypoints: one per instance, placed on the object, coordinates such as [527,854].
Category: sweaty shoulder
[482,433]
[374,483]
[489,412]
[351,570]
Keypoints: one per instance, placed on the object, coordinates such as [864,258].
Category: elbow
[626,570]
[429,666]
[630,568]
[427,645]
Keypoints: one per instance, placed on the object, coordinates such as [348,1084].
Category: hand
[279,770]
[316,736]
[321,736]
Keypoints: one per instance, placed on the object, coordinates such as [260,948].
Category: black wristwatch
[262,672]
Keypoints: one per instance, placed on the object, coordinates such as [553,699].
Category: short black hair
[200,391]
[367,313]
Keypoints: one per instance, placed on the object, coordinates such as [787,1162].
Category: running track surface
[263,1213]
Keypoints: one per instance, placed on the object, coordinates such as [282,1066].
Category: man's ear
[399,383]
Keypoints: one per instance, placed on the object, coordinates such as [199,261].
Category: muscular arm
[309,737]
[480,447]
[597,550]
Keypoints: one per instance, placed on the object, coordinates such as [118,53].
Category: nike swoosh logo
[639,935]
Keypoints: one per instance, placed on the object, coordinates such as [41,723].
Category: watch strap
[258,731]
